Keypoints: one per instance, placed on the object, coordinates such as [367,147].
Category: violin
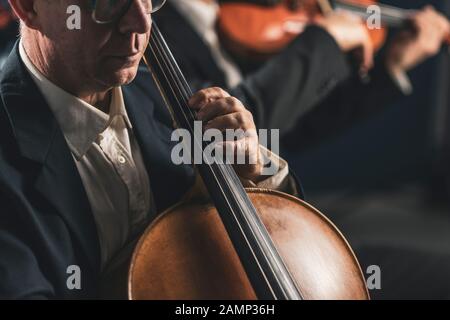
[243,243]
[249,30]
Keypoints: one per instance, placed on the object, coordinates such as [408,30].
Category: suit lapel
[40,140]
[60,183]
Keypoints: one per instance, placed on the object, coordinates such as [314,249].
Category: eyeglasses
[108,11]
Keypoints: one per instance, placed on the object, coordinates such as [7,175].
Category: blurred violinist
[313,82]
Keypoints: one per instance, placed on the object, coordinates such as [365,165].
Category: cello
[261,28]
[242,243]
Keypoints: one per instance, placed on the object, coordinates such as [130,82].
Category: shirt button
[121,159]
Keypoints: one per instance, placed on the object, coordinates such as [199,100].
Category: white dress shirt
[203,17]
[108,160]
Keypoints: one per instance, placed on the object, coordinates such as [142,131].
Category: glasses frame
[121,14]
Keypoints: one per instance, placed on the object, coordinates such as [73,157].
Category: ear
[24,10]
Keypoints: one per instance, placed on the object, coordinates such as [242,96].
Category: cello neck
[265,269]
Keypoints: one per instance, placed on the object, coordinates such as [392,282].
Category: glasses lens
[106,11]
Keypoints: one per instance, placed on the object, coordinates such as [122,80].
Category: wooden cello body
[186,254]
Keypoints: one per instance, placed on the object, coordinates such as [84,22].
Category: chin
[124,79]
[121,77]
[113,72]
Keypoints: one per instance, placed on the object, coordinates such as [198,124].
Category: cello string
[179,83]
[178,75]
[229,172]
[158,54]
[166,62]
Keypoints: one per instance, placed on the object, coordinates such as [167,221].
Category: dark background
[385,183]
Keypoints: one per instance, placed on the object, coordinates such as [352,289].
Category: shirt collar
[202,15]
[80,122]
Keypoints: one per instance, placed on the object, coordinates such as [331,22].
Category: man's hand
[350,33]
[411,47]
[218,110]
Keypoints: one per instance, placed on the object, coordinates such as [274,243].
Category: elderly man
[84,158]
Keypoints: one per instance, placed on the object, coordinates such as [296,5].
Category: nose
[136,19]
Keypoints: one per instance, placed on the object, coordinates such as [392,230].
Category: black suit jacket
[309,91]
[46,223]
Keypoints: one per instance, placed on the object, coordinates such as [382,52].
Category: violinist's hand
[218,110]
[411,47]
[350,33]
